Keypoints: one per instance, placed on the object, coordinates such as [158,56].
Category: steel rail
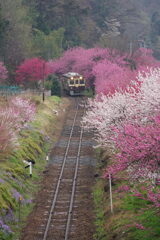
[60,177]
[73,187]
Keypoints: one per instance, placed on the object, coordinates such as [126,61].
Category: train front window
[76,81]
[71,82]
[82,81]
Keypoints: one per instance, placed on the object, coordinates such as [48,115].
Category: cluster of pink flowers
[17,113]
[150,194]
[12,119]
[139,150]
[23,109]
[123,188]
[137,225]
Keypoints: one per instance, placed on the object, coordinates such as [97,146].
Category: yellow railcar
[73,83]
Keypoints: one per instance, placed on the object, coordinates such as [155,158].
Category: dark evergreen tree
[55,85]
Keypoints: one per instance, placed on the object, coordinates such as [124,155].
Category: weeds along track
[64,207]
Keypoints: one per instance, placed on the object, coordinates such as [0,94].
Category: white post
[47,158]
[110,190]
[30,169]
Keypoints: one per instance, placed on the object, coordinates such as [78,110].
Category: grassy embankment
[17,188]
[133,218]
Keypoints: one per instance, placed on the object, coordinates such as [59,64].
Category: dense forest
[31,28]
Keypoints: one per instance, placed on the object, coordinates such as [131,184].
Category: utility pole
[110,191]
[130,48]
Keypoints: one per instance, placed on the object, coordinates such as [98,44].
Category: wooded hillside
[30,28]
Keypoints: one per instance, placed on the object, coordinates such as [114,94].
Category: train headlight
[81,77]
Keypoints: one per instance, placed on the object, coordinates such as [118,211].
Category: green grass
[88,93]
[146,215]
[98,195]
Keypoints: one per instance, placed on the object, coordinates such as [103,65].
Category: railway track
[64,208]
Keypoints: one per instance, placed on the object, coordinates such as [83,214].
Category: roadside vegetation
[134,216]
[32,139]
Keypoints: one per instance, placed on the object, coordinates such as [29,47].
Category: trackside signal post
[29,165]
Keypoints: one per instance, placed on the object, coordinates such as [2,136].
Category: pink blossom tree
[111,77]
[32,71]
[108,113]
[23,109]
[118,71]
[138,150]
[12,119]
[140,101]
[19,112]
[143,57]
[128,122]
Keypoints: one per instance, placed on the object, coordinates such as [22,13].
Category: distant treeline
[33,28]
